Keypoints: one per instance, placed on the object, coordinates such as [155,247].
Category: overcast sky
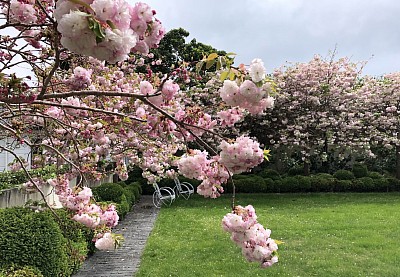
[292,30]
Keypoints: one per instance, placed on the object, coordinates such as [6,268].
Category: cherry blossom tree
[83,102]
[314,112]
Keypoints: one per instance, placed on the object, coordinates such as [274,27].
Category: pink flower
[257,70]
[106,242]
[241,155]
[81,78]
[90,221]
[22,13]
[109,217]
[169,90]
[251,236]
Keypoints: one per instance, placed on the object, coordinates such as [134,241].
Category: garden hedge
[321,182]
[28,238]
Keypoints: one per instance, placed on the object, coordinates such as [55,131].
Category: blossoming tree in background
[83,102]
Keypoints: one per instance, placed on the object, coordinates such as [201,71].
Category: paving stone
[124,261]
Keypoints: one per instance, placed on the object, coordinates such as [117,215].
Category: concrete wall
[16,197]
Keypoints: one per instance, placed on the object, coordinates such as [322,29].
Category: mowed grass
[324,235]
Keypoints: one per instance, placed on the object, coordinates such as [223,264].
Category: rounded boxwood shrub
[108,192]
[343,185]
[80,239]
[271,185]
[322,182]
[138,190]
[270,173]
[32,239]
[360,170]
[296,170]
[240,176]
[304,183]
[344,175]
[253,184]
[381,184]
[24,271]
[289,184]
[130,196]
[123,207]
[375,175]
[393,184]
[368,184]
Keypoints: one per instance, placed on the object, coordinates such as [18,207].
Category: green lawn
[325,235]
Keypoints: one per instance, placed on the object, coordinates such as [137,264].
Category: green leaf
[212,56]
[86,5]
[230,54]
[232,75]
[111,24]
[97,29]
[224,75]
[209,64]
[267,154]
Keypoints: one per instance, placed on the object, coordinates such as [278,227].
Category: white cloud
[292,30]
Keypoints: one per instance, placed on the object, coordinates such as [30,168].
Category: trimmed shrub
[123,207]
[240,176]
[80,239]
[271,185]
[304,183]
[130,196]
[360,170]
[393,184]
[250,185]
[114,193]
[368,184]
[322,182]
[343,185]
[270,173]
[136,188]
[344,175]
[34,239]
[375,175]
[289,184]
[25,271]
[381,184]
[109,192]
[296,170]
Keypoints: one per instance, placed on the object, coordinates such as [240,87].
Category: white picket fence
[16,197]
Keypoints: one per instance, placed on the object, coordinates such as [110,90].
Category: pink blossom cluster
[230,117]
[32,186]
[247,96]
[81,78]
[22,11]
[197,120]
[251,236]
[216,175]
[252,93]
[79,201]
[241,155]
[196,165]
[107,29]
[105,242]
[257,70]
[27,12]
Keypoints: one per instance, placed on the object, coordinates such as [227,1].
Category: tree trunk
[306,169]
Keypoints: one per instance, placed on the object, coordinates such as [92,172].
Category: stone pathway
[124,262]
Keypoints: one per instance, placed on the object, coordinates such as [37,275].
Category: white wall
[21,150]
